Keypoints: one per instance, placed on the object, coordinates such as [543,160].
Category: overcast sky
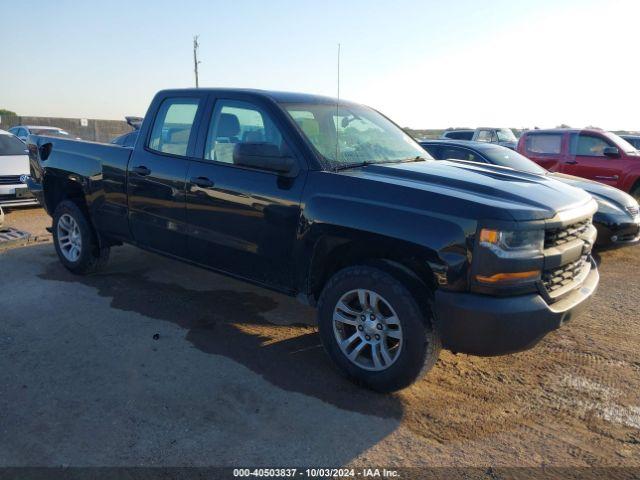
[426,64]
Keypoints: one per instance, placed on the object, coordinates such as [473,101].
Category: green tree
[7,112]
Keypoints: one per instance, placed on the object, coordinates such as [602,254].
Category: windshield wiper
[346,166]
[364,163]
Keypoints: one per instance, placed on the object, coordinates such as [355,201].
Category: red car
[593,154]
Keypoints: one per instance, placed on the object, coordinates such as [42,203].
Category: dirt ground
[574,400]
[28,219]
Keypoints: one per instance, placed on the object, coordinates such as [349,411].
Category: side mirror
[264,156]
[611,152]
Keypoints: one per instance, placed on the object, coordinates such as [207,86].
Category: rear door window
[459,154]
[432,150]
[485,136]
[173,126]
[544,143]
[459,135]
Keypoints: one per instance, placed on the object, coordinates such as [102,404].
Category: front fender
[438,242]
[631,180]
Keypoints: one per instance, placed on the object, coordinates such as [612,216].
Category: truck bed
[99,170]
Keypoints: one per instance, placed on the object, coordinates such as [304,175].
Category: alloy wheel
[69,237]
[367,329]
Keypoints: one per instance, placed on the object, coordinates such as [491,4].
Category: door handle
[202,182]
[571,162]
[141,170]
[604,177]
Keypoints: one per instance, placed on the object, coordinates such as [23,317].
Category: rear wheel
[374,330]
[75,240]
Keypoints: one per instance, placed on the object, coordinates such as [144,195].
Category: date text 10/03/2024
[316,472]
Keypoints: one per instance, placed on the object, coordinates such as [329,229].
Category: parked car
[458,134]
[333,204]
[14,163]
[632,139]
[594,154]
[501,136]
[617,219]
[126,140]
[129,139]
[23,131]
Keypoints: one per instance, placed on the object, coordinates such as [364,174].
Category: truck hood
[492,192]
[14,165]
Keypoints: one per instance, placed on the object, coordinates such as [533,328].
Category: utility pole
[196,45]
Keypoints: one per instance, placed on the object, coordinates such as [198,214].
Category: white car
[14,162]
[23,131]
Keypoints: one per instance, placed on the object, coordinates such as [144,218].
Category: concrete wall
[96,130]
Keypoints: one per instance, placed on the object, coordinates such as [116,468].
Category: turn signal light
[509,277]
[489,236]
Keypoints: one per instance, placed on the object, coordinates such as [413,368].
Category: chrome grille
[634,210]
[10,179]
[558,236]
[559,277]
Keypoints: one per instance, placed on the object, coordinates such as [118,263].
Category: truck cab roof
[277,96]
[566,130]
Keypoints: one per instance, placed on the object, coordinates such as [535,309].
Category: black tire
[421,343]
[91,258]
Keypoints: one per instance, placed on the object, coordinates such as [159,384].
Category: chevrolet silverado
[331,202]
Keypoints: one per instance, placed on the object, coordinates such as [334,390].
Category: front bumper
[484,325]
[622,233]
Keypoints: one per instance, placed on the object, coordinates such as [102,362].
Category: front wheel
[75,241]
[374,330]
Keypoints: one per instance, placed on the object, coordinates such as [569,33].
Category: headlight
[524,244]
[512,243]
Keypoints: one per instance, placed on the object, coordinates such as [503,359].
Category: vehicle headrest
[228,126]
[178,135]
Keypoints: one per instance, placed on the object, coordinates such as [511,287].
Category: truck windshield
[506,135]
[353,135]
[10,145]
[621,143]
[506,157]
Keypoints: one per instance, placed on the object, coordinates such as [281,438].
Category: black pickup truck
[333,203]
